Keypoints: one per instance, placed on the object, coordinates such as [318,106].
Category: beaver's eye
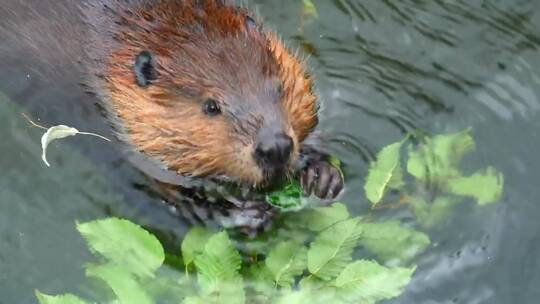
[211,107]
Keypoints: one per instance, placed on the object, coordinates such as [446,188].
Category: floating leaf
[63,299]
[332,249]
[384,174]
[193,244]
[285,261]
[124,244]
[320,218]
[122,282]
[310,9]
[290,198]
[391,242]
[368,282]
[485,187]
[218,270]
[59,132]
[438,158]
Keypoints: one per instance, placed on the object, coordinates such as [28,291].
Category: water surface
[383,68]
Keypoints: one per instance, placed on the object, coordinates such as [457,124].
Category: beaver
[198,86]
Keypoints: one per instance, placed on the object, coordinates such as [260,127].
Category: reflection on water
[384,68]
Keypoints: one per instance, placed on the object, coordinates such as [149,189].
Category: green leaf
[336,163]
[170,284]
[285,261]
[195,300]
[122,283]
[312,283]
[391,242]
[310,9]
[193,244]
[261,279]
[486,187]
[307,297]
[332,250]
[295,297]
[368,282]
[384,174]
[434,214]
[438,158]
[124,244]
[63,299]
[290,198]
[314,290]
[320,218]
[218,270]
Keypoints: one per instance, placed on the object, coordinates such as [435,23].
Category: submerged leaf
[290,198]
[391,242]
[193,244]
[261,279]
[285,261]
[485,187]
[368,282]
[122,283]
[384,174]
[310,9]
[326,296]
[63,299]
[434,214]
[59,132]
[332,249]
[124,244]
[218,271]
[295,297]
[438,158]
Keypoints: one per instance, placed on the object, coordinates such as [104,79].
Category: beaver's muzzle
[273,149]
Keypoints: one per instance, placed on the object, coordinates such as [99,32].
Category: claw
[308,179]
[335,185]
[325,176]
[322,179]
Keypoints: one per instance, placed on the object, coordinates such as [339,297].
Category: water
[383,68]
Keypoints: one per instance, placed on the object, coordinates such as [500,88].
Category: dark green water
[383,68]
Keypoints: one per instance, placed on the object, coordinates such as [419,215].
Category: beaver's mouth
[274,175]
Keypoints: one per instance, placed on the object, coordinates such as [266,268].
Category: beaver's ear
[145,69]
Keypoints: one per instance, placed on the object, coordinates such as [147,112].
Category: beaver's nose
[274,149]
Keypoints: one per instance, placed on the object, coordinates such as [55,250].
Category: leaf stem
[33,123]
[96,135]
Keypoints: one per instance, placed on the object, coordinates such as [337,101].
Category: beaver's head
[201,87]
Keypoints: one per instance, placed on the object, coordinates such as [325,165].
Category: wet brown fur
[204,49]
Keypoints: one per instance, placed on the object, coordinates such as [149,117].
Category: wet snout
[273,148]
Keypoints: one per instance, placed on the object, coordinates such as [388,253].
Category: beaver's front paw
[251,218]
[322,179]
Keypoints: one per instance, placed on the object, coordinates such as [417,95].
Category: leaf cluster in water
[438,182]
[314,255]
[321,266]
